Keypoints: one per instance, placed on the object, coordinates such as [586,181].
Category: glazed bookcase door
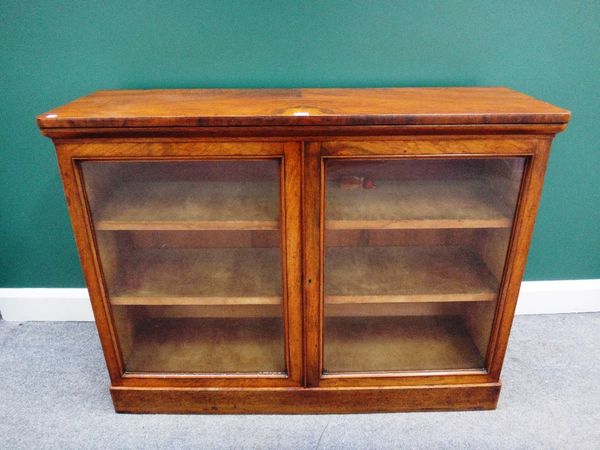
[413,251]
[194,256]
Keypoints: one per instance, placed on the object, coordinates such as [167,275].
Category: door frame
[534,148]
[70,152]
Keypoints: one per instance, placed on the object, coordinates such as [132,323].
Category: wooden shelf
[207,346]
[191,205]
[398,344]
[186,205]
[414,204]
[256,345]
[209,277]
[406,274]
[245,278]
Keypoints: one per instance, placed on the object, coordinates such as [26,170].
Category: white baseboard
[559,297]
[50,304]
[45,304]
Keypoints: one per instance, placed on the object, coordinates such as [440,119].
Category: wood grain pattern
[291,206]
[312,201]
[453,146]
[305,400]
[148,149]
[306,133]
[80,220]
[517,256]
[339,107]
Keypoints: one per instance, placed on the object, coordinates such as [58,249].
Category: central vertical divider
[292,239]
[313,283]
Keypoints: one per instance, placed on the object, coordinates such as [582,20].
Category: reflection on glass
[414,255]
[190,253]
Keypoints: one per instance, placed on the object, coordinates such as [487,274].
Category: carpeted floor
[53,394]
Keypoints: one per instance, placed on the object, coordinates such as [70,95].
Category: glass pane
[191,257]
[414,255]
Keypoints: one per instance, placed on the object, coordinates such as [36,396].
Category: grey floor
[53,394]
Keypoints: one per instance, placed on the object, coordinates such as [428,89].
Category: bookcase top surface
[302,107]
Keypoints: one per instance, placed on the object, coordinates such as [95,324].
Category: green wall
[53,51]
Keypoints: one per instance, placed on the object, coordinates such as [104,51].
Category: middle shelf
[204,277]
[406,274]
[252,276]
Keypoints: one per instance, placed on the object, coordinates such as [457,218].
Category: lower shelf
[375,344]
[372,344]
[207,346]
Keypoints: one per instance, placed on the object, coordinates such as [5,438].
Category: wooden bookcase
[303,250]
